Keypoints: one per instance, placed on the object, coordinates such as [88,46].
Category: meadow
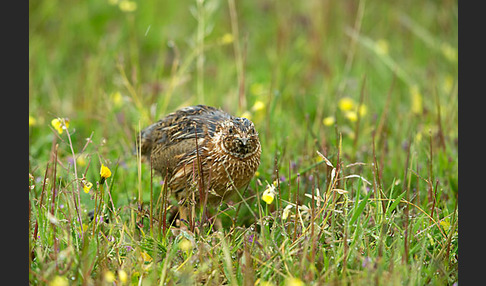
[356,105]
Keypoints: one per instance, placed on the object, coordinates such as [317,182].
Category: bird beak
[244,141]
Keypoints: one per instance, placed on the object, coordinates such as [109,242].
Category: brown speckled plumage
[228,148]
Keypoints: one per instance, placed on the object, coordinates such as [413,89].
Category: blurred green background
[108,65]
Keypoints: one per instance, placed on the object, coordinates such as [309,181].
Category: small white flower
[286,212]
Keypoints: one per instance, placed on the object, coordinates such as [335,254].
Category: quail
[202,152]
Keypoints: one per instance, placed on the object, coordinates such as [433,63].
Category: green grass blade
[395,203]
[359,210]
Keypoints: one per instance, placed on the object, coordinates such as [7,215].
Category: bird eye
[230,130]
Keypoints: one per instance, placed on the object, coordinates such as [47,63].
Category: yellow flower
[362,110]
[60,124]
[294,282]
[269,194]
[87,186]
[246,115]
[346,104]
[418,137]
[105,172]
[122,275]
[109,277]
[185,245]
[59,281]
[81,160]
[83,228]
[127,6]
[116,98]
[381,47]
[259,105]
[32,121]
[256,112]
[416,99]
[351,115]
[227,39]
[446,224]
[146,257]
[328,121]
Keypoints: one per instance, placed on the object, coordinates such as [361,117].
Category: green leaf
[395,203]
[360,208]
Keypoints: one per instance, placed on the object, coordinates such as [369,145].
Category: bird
[202,152]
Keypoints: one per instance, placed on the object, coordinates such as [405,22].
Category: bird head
[239,137]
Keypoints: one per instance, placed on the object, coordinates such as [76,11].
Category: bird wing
[174,136]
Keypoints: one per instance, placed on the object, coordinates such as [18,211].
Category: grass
[356,106]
